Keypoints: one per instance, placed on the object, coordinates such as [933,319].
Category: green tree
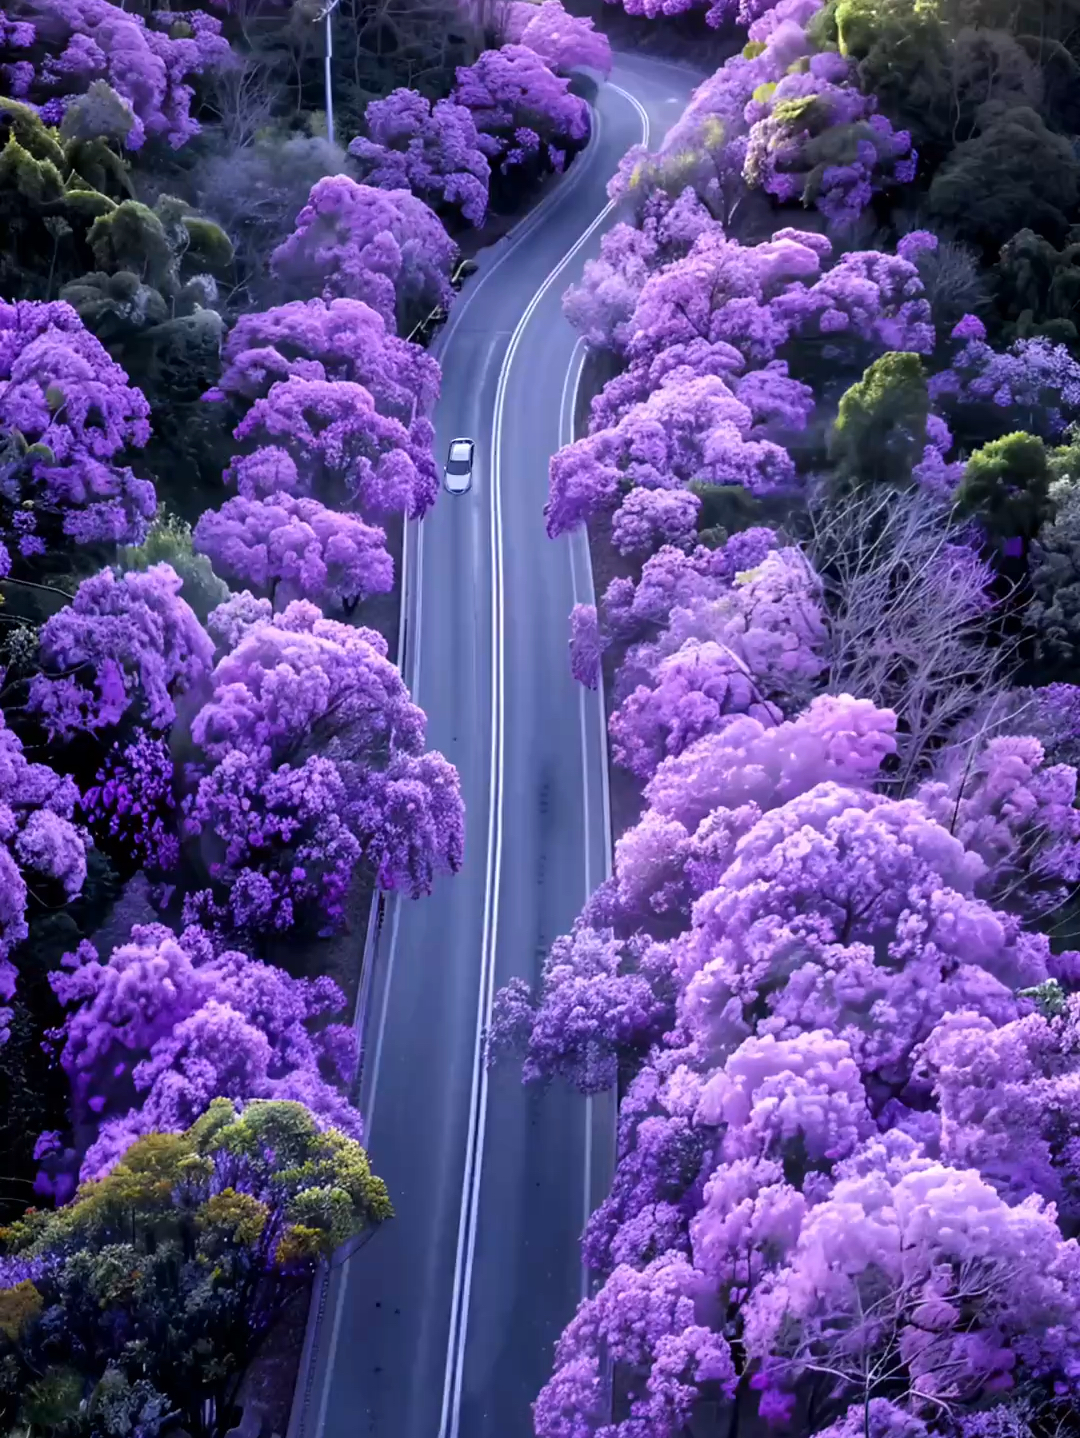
[152,1291]
[901,55]
[1038,286]
[169,541]
[1006,486]
[1015,172]
[880,428]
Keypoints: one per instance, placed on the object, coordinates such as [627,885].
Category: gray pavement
[443,1325]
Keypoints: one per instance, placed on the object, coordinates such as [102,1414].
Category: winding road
[443,1326]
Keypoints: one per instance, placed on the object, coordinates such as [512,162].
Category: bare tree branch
[911,624]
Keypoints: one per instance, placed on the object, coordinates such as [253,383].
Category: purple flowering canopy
[293,548]
[764,910]
[431,149]
[755,646]
[125,640]
[147,62]
[385,247]
[601,307]
[339,339]
[41,848]
[167,1024]
[327,439]
[67,414]
[310,760]
[1034,385]
[522,111]
[692,430]
[563,41]
[814,137]
[131,806]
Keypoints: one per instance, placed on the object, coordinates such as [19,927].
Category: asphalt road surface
[443,1326]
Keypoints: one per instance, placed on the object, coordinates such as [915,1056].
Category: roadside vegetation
[830,476]
[215,421]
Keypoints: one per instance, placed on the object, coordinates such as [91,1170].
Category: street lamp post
[326,15]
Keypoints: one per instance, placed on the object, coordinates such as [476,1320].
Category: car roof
[457,445]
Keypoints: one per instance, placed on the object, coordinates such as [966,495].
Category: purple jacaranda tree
[1018,813]
[1033,386]
[290,548]
[706,147]
[922,1271]
[687,430]
[650,518]
[525,114]
[759,298]
[431,149]
[42,851]
[310,761]
[918,940]
[327,439]
[608,990]
[755,646]
[166,1024]
[340,339]
[68,414]
[131,807]
[563,41]
[385,247]
[672,578]
[815,138]
[148,62]
[126,642]
[602,305]
[1004,1098]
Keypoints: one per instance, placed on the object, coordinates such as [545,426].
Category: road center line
[463,1266]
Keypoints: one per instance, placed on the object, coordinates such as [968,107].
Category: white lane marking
[584,593]
[414,678]
[577,174]
[442,340]
[474,1158]
[376,1062]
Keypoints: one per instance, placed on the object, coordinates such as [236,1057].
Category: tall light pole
[326,15]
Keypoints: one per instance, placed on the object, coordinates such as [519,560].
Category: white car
[459,462]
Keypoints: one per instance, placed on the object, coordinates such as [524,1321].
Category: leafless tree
[911,624]
[255,192]
[245,97]
[859,1340]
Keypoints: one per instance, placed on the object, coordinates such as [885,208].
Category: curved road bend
[443,1326]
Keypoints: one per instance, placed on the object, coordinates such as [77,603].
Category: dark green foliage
[142,278]
[34,1092]
[901,54]
[725,509]
[169,541]
[1038,287]
[1006,486]
[880,428]
[1015,172]
[1053,616]
[164,1278]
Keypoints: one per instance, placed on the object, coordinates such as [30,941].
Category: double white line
[474,1153]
